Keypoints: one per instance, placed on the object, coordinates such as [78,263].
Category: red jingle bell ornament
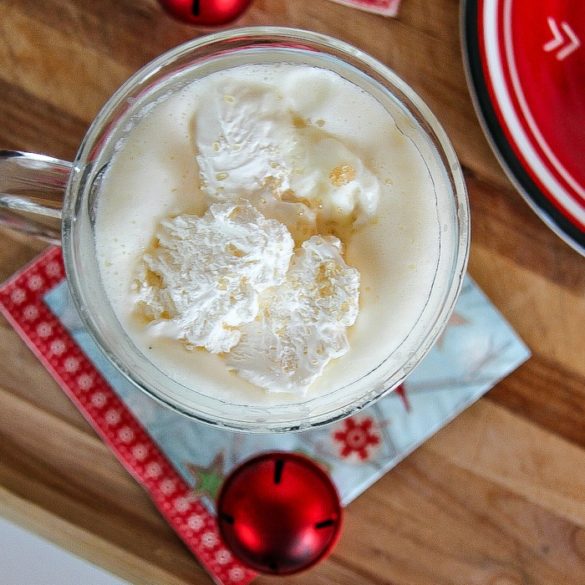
[279,513]
[205,12]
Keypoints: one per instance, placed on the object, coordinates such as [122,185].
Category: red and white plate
[526,67]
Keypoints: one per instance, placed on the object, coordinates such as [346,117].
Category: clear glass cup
[39,185]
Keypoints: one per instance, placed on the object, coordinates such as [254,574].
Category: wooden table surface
[497,497]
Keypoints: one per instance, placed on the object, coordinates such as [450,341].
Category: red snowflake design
[357,437]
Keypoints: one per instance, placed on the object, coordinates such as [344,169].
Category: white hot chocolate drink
[267,232]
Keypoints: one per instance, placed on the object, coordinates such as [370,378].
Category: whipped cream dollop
[204,275]
[229,282]
[302,323]
[251,143]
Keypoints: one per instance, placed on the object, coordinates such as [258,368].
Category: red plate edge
[523,176]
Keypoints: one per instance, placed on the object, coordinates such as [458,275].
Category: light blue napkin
[477,349]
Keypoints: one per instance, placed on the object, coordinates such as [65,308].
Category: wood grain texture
[497,497]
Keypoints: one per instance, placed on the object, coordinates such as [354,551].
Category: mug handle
[32,185]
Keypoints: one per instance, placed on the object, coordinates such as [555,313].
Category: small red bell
[279,513]
[205,12]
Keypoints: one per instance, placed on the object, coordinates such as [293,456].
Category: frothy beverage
[268,232]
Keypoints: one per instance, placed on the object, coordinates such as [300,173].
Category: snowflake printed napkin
[477,349]
[182,464]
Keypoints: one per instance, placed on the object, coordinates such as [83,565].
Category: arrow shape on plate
[558,40]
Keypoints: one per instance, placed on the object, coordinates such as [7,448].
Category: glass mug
[69,192]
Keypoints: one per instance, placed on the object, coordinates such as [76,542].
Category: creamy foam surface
[156,174]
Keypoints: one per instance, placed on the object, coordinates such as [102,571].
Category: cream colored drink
[317,168]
